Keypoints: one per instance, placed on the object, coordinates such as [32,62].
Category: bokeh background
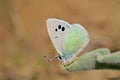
[24,39]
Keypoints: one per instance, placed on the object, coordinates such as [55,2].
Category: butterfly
[68,39]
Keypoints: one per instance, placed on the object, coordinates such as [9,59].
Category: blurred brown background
[24,38]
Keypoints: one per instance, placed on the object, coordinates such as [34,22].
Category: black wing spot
[56,29]
[59,26]
[63,28]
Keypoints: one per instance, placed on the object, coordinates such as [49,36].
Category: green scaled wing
[75,40]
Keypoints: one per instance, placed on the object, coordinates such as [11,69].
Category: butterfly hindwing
[75,40]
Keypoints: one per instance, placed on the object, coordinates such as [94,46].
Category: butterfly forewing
[57,30]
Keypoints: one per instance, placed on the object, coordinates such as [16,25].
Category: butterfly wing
[57,30]
[75,40]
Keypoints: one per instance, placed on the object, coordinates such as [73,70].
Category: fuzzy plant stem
[94,60]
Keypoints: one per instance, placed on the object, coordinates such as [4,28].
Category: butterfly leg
[71,61]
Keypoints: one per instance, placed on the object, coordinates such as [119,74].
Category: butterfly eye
[63,28]
[59,58]
[59,26]
[56,30]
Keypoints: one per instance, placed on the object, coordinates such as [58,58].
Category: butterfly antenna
[49,60]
